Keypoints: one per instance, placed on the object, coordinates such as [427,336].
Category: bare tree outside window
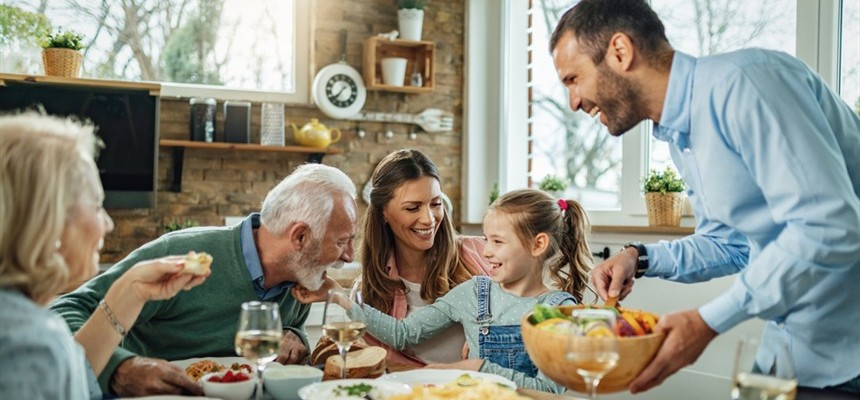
[576,146]
[233,43]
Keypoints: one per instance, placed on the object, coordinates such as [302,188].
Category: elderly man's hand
[141,376]
[307,296]
[687,335]
[293,351]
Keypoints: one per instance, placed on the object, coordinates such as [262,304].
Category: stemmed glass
[751,380]
[344,328]
[259,336]
[593,347]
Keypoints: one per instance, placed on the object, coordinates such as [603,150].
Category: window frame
[304,68]
[818,44]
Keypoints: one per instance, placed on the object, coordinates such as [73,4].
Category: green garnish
[360,389]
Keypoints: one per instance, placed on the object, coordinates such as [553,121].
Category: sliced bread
[364,363]
[326,348]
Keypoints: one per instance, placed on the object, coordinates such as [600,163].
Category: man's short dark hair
[593,22]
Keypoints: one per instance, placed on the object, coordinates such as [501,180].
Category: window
[563,141]
[256,50]
[849,68]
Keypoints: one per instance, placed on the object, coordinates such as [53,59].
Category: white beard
[309,273]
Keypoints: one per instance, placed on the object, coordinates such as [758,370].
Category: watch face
[341,90]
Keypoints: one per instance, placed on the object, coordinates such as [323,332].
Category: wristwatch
[642,260]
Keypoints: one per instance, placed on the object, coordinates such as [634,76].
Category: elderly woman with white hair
[52,226]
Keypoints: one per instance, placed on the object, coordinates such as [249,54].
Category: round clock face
[338,91]
[341,90]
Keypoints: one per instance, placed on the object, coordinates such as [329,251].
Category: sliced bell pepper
[633,323]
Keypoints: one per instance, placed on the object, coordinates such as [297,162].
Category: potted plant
[175,225]
[61,53]
[664,197]
[553,185]
[410,18]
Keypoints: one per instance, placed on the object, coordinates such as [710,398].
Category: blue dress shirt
[771,157]
[252,260]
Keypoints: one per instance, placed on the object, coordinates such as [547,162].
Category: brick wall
[217,184]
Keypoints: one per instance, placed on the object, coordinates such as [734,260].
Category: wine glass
[755,379]
[593,347]
[344,328]
[259,336]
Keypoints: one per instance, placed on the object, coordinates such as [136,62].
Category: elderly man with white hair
[307,224]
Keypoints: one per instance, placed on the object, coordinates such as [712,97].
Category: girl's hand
[161,278]
[472,364]
[305,296]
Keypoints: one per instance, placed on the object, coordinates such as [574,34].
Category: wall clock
[338,90]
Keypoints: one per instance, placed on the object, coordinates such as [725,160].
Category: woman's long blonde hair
[564,221]
[445,269]
[44,164]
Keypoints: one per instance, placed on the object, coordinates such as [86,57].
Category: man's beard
[620,101]
[308,271]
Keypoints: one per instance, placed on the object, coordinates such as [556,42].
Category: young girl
[527,231]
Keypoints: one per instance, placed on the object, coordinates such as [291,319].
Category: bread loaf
[326,348]
[364,363]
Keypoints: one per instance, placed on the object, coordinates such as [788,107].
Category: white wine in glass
[344,327]
[258,338]
[593,347]
[750,381]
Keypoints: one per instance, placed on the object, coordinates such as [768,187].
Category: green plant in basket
[175,225]
[63,40]
[552,183]
[415,4]
[663,182]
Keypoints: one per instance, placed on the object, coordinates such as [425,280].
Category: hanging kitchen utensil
[338,89]
[430,120]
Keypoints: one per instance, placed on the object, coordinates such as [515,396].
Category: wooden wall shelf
[420,56]
[315,154]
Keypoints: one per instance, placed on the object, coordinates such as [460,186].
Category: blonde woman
[52,226]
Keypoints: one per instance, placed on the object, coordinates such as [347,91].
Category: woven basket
[62,62]
[664,209]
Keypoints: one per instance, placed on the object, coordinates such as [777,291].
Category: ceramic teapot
[315,134]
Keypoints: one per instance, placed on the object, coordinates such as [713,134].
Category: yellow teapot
[315,134]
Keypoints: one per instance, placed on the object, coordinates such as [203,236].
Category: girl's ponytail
[573,246]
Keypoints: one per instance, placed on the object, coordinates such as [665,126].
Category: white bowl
[326,390]
[284,381]
[229,390]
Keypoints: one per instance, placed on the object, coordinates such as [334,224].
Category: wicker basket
[664,209]
[62,62]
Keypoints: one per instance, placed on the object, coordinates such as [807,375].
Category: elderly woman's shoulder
[25,324]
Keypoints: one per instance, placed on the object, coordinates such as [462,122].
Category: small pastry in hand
[197,263]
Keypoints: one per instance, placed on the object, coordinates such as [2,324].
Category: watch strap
[642,259]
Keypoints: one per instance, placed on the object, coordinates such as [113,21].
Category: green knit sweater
[201,322]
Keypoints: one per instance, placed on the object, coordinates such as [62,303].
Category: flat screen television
[127,121]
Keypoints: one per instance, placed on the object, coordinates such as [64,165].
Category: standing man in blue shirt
[771,157]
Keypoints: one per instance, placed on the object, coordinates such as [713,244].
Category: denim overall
[503,344]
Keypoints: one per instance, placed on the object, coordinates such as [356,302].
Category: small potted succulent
[664,197]
[410,18]
[61,53]
[553,185]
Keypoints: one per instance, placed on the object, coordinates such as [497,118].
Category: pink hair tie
[563,204]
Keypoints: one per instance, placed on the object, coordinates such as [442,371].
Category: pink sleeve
[471,249]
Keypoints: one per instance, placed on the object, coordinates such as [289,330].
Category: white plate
[167,397]
[427,376]
[323,390]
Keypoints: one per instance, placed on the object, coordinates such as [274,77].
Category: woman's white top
[443,348]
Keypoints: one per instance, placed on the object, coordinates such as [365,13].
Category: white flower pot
[393,71]
[410,22]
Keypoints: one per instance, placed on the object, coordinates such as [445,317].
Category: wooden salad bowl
[548,352]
